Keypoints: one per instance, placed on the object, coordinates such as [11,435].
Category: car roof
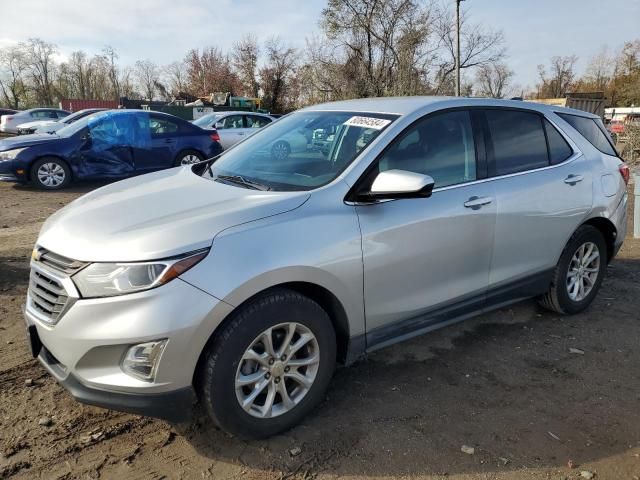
[408,105]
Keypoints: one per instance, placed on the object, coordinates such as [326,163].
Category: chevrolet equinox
[240,282]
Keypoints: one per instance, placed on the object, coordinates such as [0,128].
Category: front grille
[51,291]
[48,295]
[58,262]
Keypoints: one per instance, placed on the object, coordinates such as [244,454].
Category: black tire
[223,356]
[185,154]
[280,150]
[557,298]
[52,165]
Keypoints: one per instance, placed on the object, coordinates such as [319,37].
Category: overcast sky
[163,30]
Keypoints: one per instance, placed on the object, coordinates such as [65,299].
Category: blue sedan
[106,145]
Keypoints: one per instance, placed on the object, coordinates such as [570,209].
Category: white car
[52,126]
[233,126]
[9,123]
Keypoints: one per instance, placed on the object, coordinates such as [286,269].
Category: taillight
[7,118]
[215,137]
[625,172]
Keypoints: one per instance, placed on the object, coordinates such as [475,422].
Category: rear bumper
[174,406]
[619,218]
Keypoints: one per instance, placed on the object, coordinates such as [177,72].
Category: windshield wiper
[240,180]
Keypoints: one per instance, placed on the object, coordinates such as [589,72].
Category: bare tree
[147,73]
[176,76]
[40,59]
[559,79]
[493,80]
[276,76]
[382,47]
[13,66]
[244,56]
[112,57]
[479,46]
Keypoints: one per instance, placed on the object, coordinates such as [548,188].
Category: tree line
[364,48]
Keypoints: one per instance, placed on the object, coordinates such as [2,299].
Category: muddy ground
[504,383]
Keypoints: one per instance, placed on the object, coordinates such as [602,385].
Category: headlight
[109,279]
[10,154]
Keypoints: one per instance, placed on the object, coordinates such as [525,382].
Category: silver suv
[241,281]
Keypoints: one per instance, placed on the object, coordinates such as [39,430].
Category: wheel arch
[35,160]
[319,294]
[608,231]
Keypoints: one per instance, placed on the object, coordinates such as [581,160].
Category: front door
[427,260]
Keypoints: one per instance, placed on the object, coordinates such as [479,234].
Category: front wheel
[50,173]
[579,272]
[269,366]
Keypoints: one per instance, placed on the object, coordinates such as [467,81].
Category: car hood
[27,141]
[156,216]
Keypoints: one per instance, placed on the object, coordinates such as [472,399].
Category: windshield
[77,125]
[75,116]
[301,151]
[207,120]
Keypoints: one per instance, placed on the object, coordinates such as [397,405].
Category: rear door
[253,123]
[543,191]
[427,259]
[158,150]
[231,130]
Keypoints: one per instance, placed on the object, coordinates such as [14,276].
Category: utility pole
[458,47]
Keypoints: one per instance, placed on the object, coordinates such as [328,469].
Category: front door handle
[477,202]
[573,179]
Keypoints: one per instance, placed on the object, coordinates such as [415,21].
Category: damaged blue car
[106,145]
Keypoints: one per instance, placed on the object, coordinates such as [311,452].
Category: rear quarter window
[559,149]
[591,131]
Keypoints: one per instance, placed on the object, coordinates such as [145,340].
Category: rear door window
[591,130]
[518,141]
[559,149]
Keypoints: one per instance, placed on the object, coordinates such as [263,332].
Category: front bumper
[174,406]
[85,348]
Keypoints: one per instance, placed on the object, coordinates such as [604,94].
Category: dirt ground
[504,383]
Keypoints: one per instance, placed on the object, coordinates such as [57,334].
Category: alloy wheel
[189,159]
[277,370]
[51,174]
[583,271]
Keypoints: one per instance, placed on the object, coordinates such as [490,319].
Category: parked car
[7,111]
[242,281]
[9,123]
[50,126]
[104,145]
[233,126]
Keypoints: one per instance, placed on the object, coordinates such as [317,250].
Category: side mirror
[218,125]
[393,184]
[86,138]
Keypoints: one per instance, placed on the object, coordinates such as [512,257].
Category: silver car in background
[233,126]
[241,282]
[9,123]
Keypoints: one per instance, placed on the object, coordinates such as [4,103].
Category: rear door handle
[573,179]
[169,140]
[477,202]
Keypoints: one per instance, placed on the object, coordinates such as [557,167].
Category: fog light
[141,361]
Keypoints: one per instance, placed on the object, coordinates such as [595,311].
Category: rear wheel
[50,173]
[579,272]
[269,366]
[187,157]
